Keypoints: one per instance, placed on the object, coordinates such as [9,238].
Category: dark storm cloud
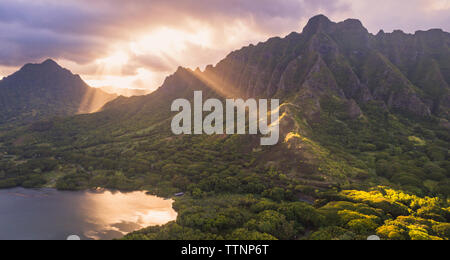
[31,31]
[74,30]
[59,16]
[84,30]
[19,45]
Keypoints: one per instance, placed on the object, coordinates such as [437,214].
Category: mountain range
[363,150]
[407,73]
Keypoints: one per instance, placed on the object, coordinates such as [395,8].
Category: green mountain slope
[39,91]
[363,148]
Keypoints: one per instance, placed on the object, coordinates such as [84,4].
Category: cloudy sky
[136,43]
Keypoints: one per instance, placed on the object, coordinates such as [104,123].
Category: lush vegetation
[342,215]
[236,190]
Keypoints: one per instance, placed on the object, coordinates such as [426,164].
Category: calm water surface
[51,214]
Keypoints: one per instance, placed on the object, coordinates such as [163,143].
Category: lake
[48,214]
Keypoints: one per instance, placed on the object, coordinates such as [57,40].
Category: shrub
[442,230]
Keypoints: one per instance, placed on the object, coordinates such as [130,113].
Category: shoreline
[111,215]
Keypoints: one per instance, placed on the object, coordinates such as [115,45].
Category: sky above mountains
[136,43]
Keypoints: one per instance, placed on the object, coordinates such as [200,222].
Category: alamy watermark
[236,111]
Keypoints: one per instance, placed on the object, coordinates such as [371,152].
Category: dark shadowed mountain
[39,91]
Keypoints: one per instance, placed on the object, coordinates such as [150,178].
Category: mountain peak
[431,32]
[353,22]
[50,62]
[317,23]
[354,25]
[48,65]
[320,18]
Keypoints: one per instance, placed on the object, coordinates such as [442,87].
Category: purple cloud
[75,30]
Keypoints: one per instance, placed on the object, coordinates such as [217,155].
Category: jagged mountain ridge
[398,71]
[352,64]
[39,91]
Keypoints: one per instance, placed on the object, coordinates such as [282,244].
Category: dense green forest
[380,174]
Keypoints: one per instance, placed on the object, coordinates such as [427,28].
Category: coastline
[99,214]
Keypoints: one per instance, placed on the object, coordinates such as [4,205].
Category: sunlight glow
[164,43]
[112,64]
[146,59]
[117,211]
[169,40]
[439,5]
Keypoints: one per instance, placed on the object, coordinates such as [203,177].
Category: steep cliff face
[407,73]
[399,72]
[424,58]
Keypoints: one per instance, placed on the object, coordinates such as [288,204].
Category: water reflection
[51,214]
